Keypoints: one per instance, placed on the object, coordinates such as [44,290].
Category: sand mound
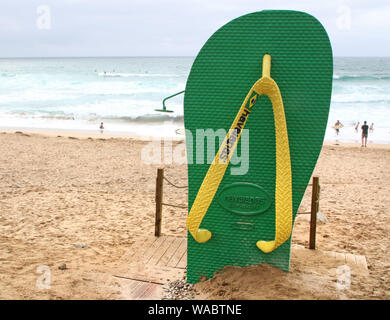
[313,275]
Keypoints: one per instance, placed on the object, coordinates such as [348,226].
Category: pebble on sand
[62,266]
[80,244]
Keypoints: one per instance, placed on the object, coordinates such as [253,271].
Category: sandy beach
[84,200]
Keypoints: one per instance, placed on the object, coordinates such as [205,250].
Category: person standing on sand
[364,134]
[101,127]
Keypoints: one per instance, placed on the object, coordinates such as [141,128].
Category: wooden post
[315,199]
[159,198]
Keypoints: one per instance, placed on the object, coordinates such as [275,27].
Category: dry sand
[58,194]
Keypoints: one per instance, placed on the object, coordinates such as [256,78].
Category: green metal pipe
[164,109]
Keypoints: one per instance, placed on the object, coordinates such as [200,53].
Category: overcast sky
[50,28]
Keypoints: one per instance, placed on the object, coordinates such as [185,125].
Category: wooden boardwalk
[153,262]
[349,259]
[352,260]
[139,290]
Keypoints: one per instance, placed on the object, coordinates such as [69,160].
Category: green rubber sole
[223,72]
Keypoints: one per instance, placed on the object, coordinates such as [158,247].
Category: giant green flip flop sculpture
[269,72]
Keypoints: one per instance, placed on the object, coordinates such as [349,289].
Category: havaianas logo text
[234,134]
[244,198]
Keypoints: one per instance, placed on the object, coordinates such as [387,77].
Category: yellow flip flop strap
[283,188]
[283,185]
[215,174]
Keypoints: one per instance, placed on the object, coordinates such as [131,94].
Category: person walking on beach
[364,134]
[357,127]
[372,127]
[337,126]
[101,127]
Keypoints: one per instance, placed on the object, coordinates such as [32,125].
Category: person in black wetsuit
[364,134]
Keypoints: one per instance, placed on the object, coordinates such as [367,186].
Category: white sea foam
[348,134]
[77,94]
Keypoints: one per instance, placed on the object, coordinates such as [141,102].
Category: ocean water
[79,93]
[361,92]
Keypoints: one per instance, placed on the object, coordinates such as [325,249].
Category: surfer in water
[364,134]
[101,127]
[337,126]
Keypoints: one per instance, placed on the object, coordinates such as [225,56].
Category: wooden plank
[183,261]
[128,287]
[154,274]
[160,251]
[341,257]
[298,246]
[132,287]
[143,277]
[140,290]
[170,252]
[154,292]
[163,259]
[146,243]
[361,261]
[152,249]
[330,253]
[326,253]
[178,254]
[350,259]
